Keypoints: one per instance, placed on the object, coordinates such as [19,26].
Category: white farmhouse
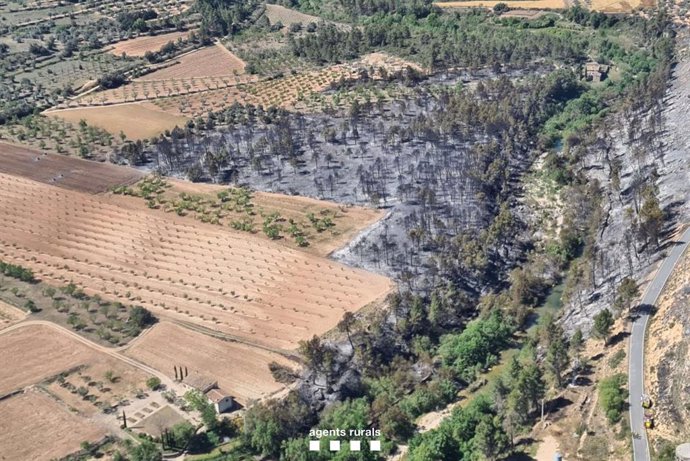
[208,386]
[220,401]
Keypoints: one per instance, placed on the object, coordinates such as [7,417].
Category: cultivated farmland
[36,427]
[66,172]
[283,92]
[9,315]
[289,92]
[140,45]
[150,90]
[246,287]
[150,121]
[529,4]
[33,353]
[287,16]
[210,79]
[212,61]
[346,221]
[240,370]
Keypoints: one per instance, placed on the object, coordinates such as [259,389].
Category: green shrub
[612,395]
[153,383]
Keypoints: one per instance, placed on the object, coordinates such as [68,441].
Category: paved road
[636,352]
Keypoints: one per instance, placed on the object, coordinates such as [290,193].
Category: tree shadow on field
[557,404]
[521,446]
[597,357]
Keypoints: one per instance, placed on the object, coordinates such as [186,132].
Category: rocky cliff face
[634,147]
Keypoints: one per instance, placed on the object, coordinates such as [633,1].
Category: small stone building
[596,72]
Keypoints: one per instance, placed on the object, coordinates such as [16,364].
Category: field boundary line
[232,338]
[105,350]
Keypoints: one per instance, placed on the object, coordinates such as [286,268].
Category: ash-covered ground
[426,168]
[656,147]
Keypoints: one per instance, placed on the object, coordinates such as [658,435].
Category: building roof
[216,395]
[596,67]
[202,383]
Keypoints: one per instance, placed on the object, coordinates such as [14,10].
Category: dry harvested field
[349,221]
[212,61]
[378,61]
[286,16]
[139,46]
[617,6]
[210,68]
[9,315]
[35,427]
[136,120]
[62,171]
[529,4]
[242,371]
[33,353]
[231,281]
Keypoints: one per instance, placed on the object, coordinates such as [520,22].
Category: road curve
[636,346]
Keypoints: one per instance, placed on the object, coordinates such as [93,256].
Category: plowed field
[33,353]
[140,45]
[136,120]
[67,172]
[212,61]
[242,371]
[35,427]
[253,289]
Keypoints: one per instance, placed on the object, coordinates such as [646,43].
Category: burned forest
[440,162]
